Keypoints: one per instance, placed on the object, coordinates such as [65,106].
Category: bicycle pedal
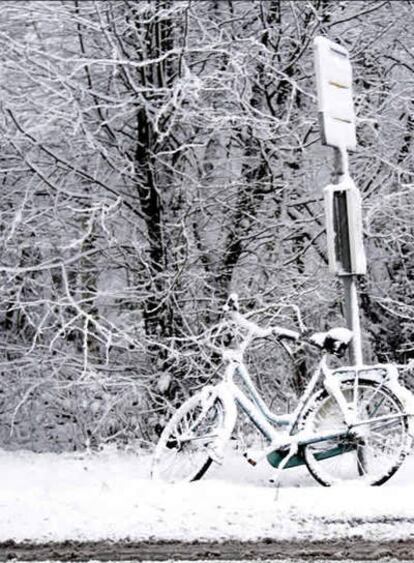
[249,459]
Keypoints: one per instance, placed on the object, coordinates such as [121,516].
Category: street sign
[344,228]
[334,89]
[342,199]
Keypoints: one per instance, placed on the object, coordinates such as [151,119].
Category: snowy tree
[157,155]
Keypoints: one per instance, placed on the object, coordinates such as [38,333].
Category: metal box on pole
[344,228]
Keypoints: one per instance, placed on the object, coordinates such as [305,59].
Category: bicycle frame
[279,430]
[283,433]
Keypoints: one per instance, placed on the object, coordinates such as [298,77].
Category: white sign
[334,88]
[344,228]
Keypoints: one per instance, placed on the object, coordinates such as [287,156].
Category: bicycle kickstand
[293,450]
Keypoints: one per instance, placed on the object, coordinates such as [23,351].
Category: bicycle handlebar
[256,330]
[334,341]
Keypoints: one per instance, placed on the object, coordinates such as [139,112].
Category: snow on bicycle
[350,424]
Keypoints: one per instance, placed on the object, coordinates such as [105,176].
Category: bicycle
[350,423]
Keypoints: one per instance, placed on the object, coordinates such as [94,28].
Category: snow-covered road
[108,496]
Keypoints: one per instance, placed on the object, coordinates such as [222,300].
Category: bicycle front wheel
[371,450]
[190,441]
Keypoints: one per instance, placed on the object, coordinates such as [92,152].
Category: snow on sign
[334,88]
[344,228]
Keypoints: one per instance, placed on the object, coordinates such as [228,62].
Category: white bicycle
[349,425]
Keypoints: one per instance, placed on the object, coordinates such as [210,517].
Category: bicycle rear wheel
[190,441]
[370,451]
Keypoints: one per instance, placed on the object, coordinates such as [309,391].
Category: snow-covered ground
[49,497]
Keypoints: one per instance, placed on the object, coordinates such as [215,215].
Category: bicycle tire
[370,455]
[183,452]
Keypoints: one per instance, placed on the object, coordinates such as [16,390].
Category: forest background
[156,155]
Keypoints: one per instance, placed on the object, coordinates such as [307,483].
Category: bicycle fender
[407,400]
[222,393]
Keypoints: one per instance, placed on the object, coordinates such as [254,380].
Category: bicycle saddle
[334,341]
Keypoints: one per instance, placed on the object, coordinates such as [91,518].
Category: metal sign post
[342,199]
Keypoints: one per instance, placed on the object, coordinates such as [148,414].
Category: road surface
[356,550]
